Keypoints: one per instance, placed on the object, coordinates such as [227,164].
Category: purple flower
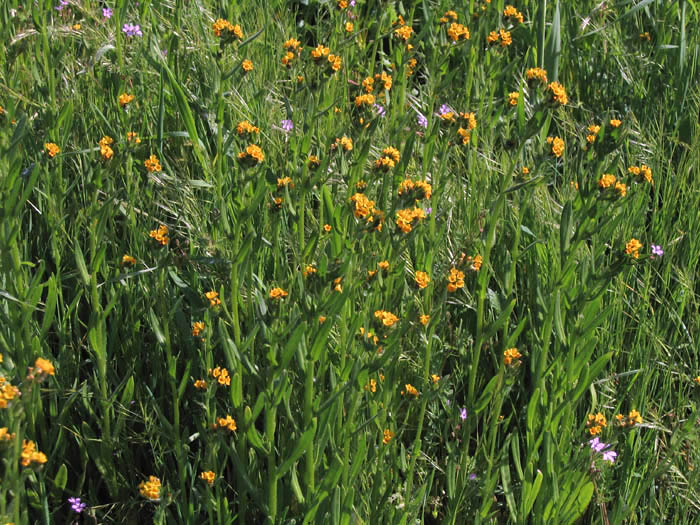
[352,3]
[472,477]
[609,455]
[380,110]
[428,212]
[107,12]
[463,414]
[61,5]
[422,121]
[445,109]
[597,444]
[77,505]
[131,30]
[656,250]
[287,125]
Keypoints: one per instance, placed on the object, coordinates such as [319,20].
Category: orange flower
[278,293]
[422,280]
[197,328]
[52,149]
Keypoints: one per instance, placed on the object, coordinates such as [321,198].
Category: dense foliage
[349,261]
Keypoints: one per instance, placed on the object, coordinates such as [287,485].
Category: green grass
[597,330]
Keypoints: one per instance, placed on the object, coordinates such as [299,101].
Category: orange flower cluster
[30,456]
[423,190]
[293,50]
[197,328]
[633,418]
[406,218]
[225,422]
[422,280]
[475,261]
[448,16]
[593,129]
[536,74]
[344,142]
[512,12]
[252,155]
[208,476]
[403,32]
[369,82]
[609,181]
[388,436]
[278,293]
[246,128]
[558,93]
[225,29]
[390,156]
[319,52]
[632,248]
[41,370]
[6,436]
[364,100]
[387,318]
[152,164]
[313,162]
[221,376]
[200,384]
[213,298]
[501,37]
[52,149]
[596,423]
[150,489]
[8,392]
[410,390]
[455,280]
[105,150]
[125,99]
[160,235]
[606,181]
[557,146]
[511,357]
[642,171]
[458,32]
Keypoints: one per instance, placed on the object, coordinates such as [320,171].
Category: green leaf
[486,395]
[531,494]
[564,234]
[292,345]
[61,477]
[188,118]
[237,390]
[532,410]
[155,326]
[80,262]
[299,449]
[558,319]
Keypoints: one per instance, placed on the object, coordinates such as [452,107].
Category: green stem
[308,414]
[421,419]
[270,424]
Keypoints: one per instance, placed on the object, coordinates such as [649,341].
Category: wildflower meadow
[349,261]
